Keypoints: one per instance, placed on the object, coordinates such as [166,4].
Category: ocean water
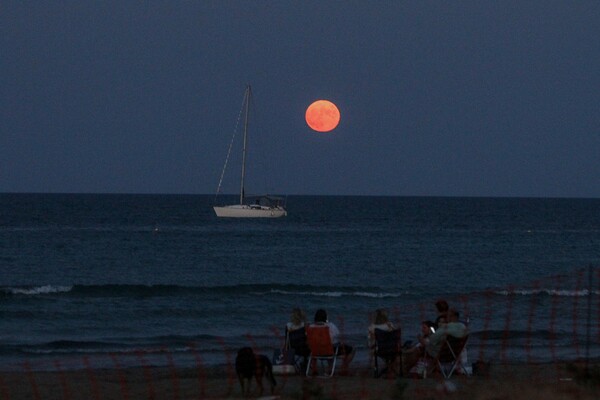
[158,279]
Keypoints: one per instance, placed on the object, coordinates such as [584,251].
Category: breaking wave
[177,290]
[548,292]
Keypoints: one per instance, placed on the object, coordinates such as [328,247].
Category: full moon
[322,116]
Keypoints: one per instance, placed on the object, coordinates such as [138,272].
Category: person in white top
[295,336]
[297,320]
[381,322]
[346,350]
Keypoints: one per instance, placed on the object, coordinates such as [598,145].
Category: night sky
[437,98]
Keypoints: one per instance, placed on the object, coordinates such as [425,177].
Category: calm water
[148,278]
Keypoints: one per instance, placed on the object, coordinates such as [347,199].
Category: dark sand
[548,381]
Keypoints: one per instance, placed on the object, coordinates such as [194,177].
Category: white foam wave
[338,294]
[110,350]
[46,289]
[550,292]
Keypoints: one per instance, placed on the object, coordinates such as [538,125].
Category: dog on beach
[248,365]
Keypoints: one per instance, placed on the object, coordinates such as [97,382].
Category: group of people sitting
[416,356]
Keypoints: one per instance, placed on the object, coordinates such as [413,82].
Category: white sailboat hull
[265,206]
[246,211]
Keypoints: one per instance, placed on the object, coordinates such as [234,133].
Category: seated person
[453,328]
[297,320]
[442,312]
[381,322]
[297,341]
[433,343]
[412,352]
[343,349]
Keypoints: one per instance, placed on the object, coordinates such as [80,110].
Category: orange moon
[322,116]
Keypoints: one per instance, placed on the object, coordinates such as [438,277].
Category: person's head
[298,317]
[426,328]
[381,316]
[453,315]
[442,306]
[321,315]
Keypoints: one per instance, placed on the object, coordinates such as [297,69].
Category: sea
[107,280]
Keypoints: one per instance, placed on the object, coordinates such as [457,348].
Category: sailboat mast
[245,143]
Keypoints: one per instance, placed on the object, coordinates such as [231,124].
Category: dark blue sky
[469,98]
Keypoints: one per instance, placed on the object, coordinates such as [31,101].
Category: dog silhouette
[248,365]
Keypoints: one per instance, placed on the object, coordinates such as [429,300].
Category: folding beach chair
[296,340]
[321,349]
[388,347]
[448,359]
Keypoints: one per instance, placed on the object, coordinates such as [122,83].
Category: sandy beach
[540,381]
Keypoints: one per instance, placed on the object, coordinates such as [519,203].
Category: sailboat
[264,206]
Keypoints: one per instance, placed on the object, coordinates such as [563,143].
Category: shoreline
[514,381]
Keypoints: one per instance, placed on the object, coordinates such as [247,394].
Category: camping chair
[321,348]
[389,348]
[449,355]
[297,341]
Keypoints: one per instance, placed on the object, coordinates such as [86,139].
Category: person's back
[297,320]
[296,333]
[381,322]
[321,320]
[334,333]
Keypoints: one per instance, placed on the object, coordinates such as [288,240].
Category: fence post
[589,320]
